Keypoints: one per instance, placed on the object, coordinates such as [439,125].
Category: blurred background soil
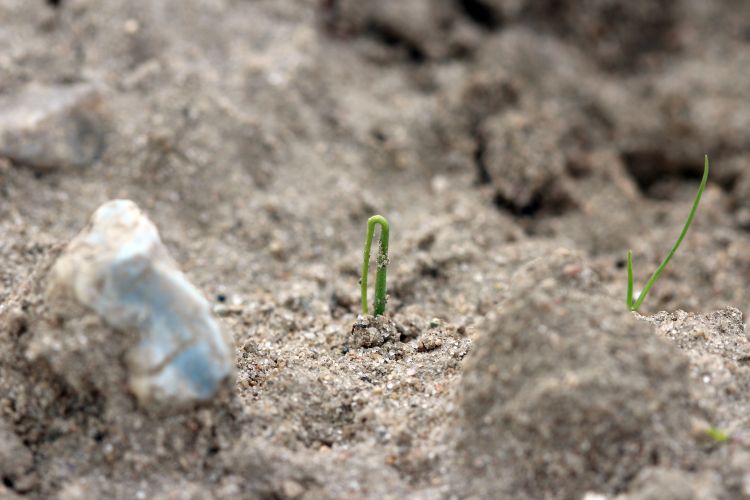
[260,135]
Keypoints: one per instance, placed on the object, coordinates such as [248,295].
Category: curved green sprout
[634,305]
[382,261]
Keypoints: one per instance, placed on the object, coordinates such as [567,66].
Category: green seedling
[634,305]
[382,262]
[717,435]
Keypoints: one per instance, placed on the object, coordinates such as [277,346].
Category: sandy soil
[518,148]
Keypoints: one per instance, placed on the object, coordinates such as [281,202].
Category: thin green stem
[630,280]
[382,263]
[634,306]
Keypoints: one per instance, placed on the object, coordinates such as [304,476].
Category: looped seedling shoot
[382,263]
[634,304]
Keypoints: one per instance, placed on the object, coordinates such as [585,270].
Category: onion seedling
[633,305]
[382,263]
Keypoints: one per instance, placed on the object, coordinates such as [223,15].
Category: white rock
[119,268]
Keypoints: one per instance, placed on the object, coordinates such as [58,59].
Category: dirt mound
[619,35]
[563,383]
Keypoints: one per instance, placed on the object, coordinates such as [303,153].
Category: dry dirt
[518,148]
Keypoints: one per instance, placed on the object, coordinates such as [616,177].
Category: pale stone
[119,268]
[52,126]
